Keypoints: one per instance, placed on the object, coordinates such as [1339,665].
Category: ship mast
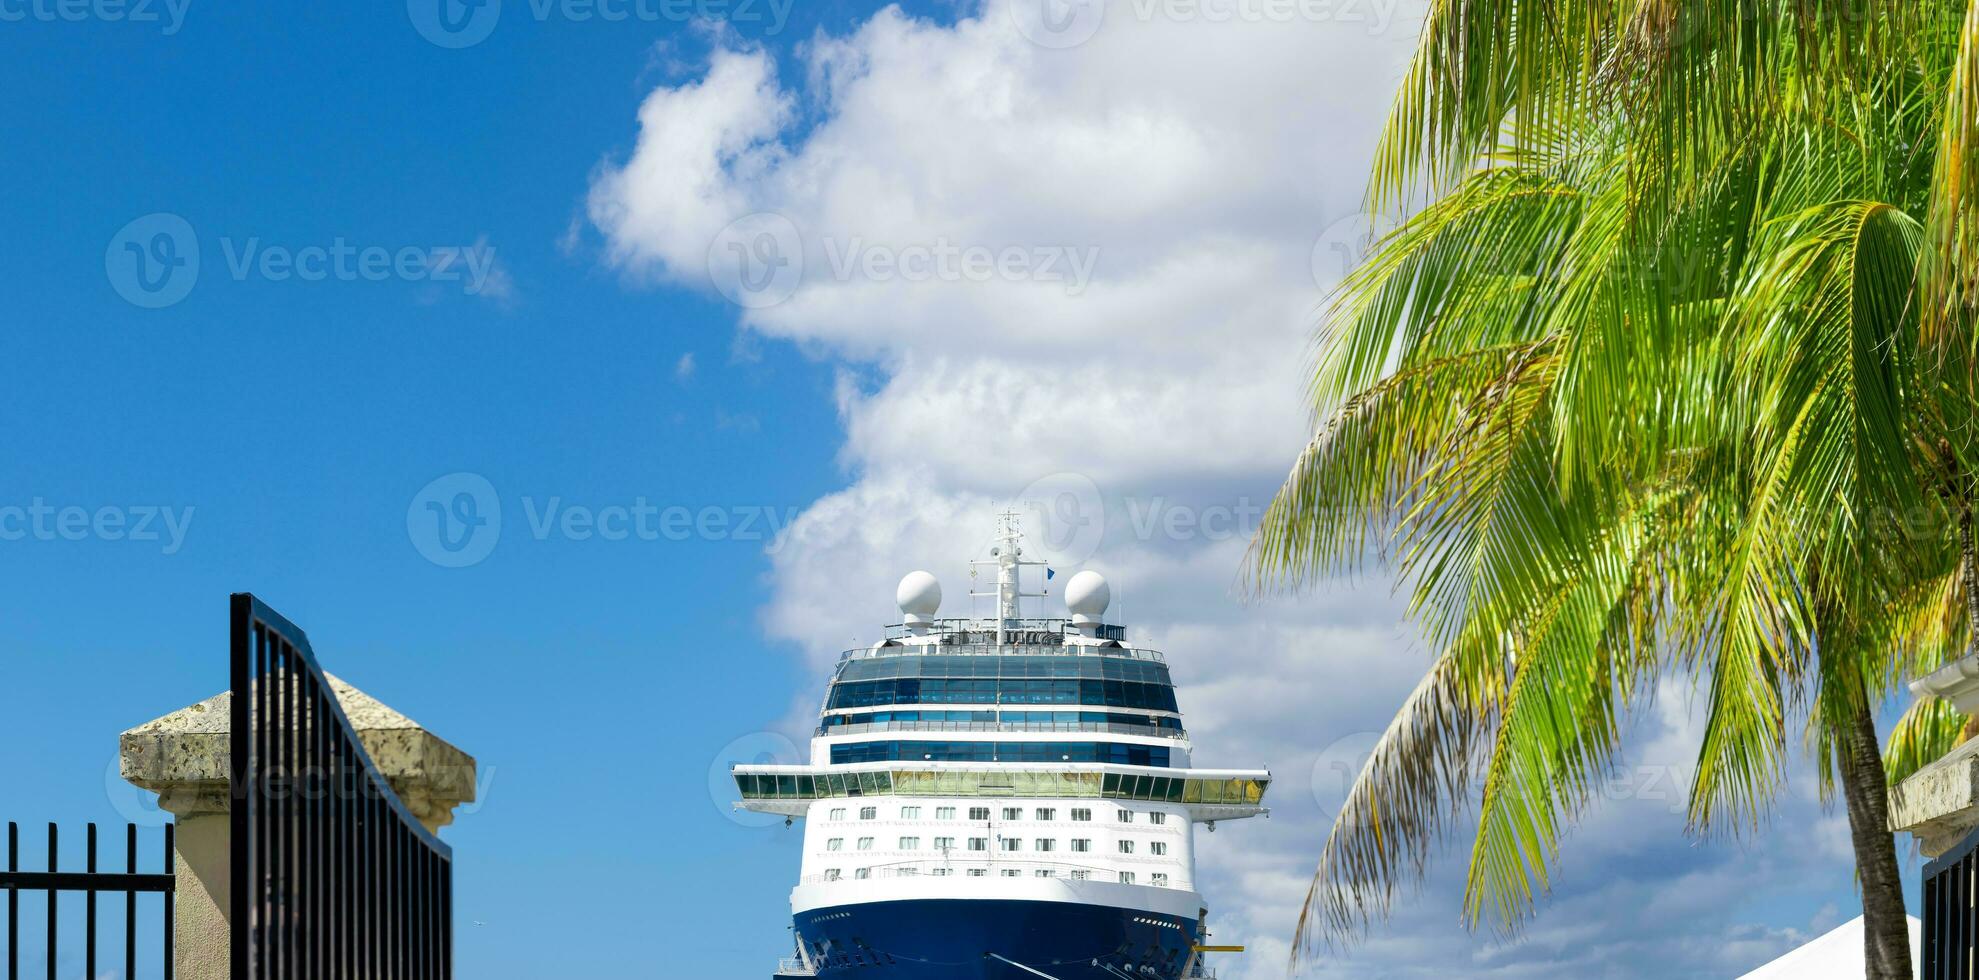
[1008,558]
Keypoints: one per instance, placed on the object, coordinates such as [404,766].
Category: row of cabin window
[1080,845]
[1009,813]
[1159,879]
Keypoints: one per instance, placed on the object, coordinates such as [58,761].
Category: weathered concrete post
[1939,804]
[184,758]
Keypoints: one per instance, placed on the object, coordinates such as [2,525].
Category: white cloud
[1199,164]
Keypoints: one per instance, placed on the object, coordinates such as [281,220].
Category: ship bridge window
[944,813]
[1157,818]
[979,813]
[1118,753]
[1235,791]
[1032,667]
[869,813]
[1157,848]
[1031,719]
[910,813]
[1013,813]
[1114,694]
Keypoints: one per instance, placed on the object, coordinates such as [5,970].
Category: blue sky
[1159,199]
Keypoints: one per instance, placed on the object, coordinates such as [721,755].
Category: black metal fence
[1951,928]
[90,882]
[332,875]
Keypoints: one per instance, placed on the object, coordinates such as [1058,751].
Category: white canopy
[1835,956]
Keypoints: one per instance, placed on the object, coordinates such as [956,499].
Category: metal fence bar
[170,921]
[130,903]
[1951,920]
[52,903]
[333,876]
[90,882]
[13,903]
[89,903]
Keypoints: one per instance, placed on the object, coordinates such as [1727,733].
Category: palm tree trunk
[1970,559]
[1886,930]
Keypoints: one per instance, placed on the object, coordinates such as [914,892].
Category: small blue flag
[1048,573]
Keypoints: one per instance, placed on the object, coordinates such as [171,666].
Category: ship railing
[1012,628]
[986,867]
[991,726]
[791,966]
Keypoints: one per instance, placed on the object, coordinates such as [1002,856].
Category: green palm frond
[1671,375]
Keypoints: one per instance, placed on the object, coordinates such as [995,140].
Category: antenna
[1008,558]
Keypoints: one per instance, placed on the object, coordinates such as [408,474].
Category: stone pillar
[184,757]
[1939,803]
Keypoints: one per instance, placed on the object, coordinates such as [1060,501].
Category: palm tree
[1670,374]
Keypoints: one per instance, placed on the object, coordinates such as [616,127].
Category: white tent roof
[1835,956]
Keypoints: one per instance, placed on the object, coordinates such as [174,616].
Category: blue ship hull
[951,939]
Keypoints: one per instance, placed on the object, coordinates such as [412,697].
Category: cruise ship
[1001,799]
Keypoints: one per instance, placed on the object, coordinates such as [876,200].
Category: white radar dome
[1088,595]
[919,596]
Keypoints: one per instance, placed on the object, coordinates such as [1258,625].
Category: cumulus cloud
[1081,280]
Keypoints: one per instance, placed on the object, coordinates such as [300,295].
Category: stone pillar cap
[189,751]
[1956,682]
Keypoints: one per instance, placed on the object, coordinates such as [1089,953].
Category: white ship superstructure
[1006,797]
